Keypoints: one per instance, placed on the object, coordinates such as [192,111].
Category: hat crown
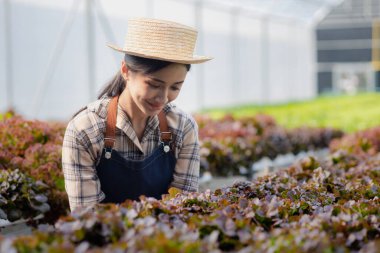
[161,40]
[160,37]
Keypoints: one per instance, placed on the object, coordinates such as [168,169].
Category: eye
[155,86]
[175,88]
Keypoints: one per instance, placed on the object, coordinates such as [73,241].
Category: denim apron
[122,179]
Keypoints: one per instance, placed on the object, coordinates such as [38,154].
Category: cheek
[172,95]
[139,90]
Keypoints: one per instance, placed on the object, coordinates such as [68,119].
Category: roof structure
[354,11]
[308,11]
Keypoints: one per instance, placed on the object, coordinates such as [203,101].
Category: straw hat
[161,40]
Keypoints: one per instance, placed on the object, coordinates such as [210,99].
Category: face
[150,93]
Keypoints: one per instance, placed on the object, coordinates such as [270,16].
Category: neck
[135,115]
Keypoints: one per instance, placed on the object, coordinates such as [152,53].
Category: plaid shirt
[83,145]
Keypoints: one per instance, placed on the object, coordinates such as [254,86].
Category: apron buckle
[166,139]
[166,148]
[108,153]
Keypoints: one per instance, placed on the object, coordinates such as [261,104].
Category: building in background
[348,48]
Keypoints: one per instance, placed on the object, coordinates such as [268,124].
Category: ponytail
[114,87]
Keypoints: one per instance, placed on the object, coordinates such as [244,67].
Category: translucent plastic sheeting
[263,51]
[301,10]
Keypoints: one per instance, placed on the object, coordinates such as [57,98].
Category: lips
[155,106]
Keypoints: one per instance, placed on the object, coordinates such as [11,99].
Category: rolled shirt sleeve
[186,173]
[78,163]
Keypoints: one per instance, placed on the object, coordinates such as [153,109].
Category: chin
[150,112]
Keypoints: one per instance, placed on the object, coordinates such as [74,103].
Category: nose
[162,96]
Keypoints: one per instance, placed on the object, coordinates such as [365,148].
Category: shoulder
[91,120]
[179,119]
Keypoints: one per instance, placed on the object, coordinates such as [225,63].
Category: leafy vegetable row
[309,207]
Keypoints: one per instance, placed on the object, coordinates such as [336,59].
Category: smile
[155,106]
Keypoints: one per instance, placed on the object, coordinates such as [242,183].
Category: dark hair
[137,65]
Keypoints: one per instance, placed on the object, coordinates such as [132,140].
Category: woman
[133,141]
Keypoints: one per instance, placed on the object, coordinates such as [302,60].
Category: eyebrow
[160,81]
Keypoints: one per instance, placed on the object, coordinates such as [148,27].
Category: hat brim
[193,60]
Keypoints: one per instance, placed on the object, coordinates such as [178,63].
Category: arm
[78,163]
[186,172]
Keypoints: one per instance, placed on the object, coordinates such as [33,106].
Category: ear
[124,70]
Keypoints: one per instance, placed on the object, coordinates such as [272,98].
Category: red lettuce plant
[34,147]
[21,196]
[309,207]
[230,144]
[362,142]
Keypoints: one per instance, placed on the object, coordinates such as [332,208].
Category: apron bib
[122,179]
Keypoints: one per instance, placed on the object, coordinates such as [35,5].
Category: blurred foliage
[349,113]
[8,114]
[34,147]
[366,142]
[230,146]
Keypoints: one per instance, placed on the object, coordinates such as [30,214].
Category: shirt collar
[122,121]
[100,107]
[125,125]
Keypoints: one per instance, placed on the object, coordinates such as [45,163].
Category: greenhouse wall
[258,59]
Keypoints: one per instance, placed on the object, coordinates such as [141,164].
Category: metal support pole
[54,57]
[8,54]
[90,36]
[200,42]
[314,60]
[235,59]
[106,27]
[290,77]
[264,57]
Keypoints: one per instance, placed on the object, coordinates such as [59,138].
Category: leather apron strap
[122,178]
[110,136]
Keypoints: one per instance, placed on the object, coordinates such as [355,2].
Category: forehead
[170,72]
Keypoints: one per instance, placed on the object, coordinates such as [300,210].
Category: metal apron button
[166,148]
[108,153]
